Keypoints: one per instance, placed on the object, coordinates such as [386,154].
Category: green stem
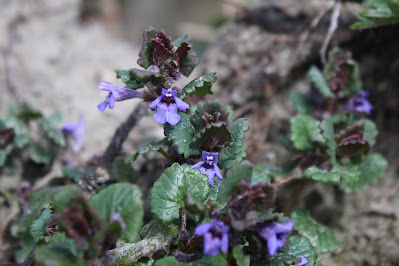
[166,155]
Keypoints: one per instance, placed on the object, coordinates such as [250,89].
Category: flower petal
[202,229]
[156,102]
[181,104]
[111,101]
[272,245]
[159,116]
[217,171]
[102,106]
[171,114]
[197,165]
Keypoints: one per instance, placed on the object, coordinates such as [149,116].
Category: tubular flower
[76,131]
[116,93]
[358,103]
[167,105]
[208,166]
[274,234]
[215,237]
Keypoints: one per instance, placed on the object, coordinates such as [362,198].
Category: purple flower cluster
[215,237]
[208,166]
[76,131]
[274,234]
[167,105]
[116,93]
[358,103]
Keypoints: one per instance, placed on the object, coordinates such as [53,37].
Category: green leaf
[321,237]
[319,82]
[349,172]
[379,13]
[168,192]
[370,131]
[212,135]
[38,227]
[354,85]
[370,170]
[302,102]
[259,174]
[125,199]
[185,38]
[62,199]
[327,127]
[209,109]
[73,173]
[189,62]
[182,136]
[37,201]
[129,83]
[124,172]
[153,146]
[304,131]
[238,254]
[238,173]
[145,55]
[57,254]
[234,150]
[52,131]
[299,246]
[39,155]
[61,238]
[144,76]
[200,86]
[155,236]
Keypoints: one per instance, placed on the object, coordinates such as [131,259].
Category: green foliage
[234,150]
[348,172]
[241,259]
[57,254]
[378,13]
[129,83]
[200,86]
[157,145]
[39,155]
[73,173]
[52,131]
[317,78]
[38,227]
[370,131]
[327,127]
[302,102]
[370,170]
[299,246]
[206,260]
[62,198]
[125,199]
[155,236]
[304,131]
[144,76]
[320,236]
[169,190]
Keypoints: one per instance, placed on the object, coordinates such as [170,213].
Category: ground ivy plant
[208,206]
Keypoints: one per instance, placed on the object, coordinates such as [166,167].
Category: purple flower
[358,103]
[303,261]
[208,166]
[167,105]
[215,236]
[76,131]
[274,234]
[116,93]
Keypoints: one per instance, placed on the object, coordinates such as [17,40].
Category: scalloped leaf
[152,147]
[190,60]
[299,246]
[319,82]
[210,107]
[200,86]
[125,199]
[38,227]
[320,236]
[348,172]
[182,135]
[304,131]
[168,192]
[370,170]
[156,236]
[234,150]
[370,132]
[213,136]
[57,254]
[145,55]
